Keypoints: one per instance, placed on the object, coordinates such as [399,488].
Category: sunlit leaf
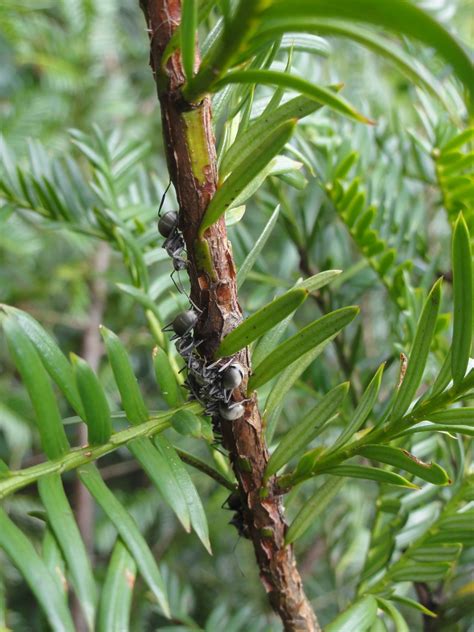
[463,295]
[369,473]
[360,616]
[245,173]
[116,597]
[260,322]
[62,522]
[96,408]
[257,248]
[402,459]
[189,20]
[305,340]
[38,385]
[132,399]
[312,508]
[128,530]
[23,554]
[419,352]
[322,95]
[312,424]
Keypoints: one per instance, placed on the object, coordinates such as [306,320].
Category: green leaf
[402,459]
[284,383]
[262,321]
[257,248]
[312,424]
[369,473]
[317,281]
[419,572]
[321,95]
[463,416]
[363,409]
[186,485]
[158,467]
[96,408]
[63,524]
[360,616]
[312,508]
[305,340]
[245,173]
[463,300]
[188,27]
[246,143]
[186,423]
[398,620]
[166,378]
[419,352]
[411,603]
[384,47]
[399,16]
[128,530]
[54,561]
[132,399]
[53,359]
[116,597]
[24,556]
[38,385]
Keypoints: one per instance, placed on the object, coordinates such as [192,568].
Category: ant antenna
[163,197]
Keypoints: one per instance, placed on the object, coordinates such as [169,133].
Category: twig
[191,156]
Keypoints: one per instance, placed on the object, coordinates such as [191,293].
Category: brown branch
[191,157]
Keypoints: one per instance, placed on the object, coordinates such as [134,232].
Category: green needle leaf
[312,424]
[463,300]
[363,410]
[158,467]
[312,508]
[63,524]
[247,142]
[257,248]
[38,385]
[399,16]
[186,485]
[322,95]
[52,357]
[128,530]
[419,353]
[262,321]
[360,616]
[245,173]
[369,473]
[305,340]
[402,459]
[23,554]
[96,408]
[188,25]
[116,598]
[166,378]
[132,399]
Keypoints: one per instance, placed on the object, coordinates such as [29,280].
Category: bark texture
[191,157]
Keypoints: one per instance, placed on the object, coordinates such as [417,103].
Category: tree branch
[191,157]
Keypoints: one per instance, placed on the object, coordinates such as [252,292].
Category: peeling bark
[191,158]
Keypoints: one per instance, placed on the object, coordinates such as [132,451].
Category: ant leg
[163,197]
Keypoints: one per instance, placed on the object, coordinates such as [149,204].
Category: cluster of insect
[212,384]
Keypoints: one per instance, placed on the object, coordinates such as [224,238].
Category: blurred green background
[83,65]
